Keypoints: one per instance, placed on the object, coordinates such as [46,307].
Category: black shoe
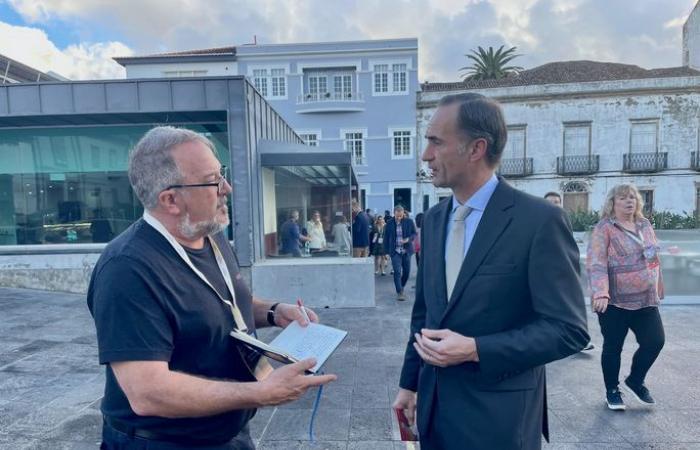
[640,392]
[614,399]
[590,346]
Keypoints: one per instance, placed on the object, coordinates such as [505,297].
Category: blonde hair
[620,190]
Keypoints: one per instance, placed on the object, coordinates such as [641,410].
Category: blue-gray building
[358,96]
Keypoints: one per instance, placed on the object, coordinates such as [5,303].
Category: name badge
[380,240]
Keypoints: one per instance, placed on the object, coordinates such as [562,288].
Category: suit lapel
[440,225]
[494,221]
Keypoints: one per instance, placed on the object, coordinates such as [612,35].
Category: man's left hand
[286,313]
[444,348]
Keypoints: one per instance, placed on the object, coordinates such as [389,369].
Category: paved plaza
[51,384]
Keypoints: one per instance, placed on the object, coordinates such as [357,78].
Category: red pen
[300,304]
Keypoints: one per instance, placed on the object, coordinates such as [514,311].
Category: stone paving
[51,384]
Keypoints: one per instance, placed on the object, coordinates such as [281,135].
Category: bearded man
[165,294]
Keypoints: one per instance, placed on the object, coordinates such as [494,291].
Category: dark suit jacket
[360,230]
[408,230]
[518,294]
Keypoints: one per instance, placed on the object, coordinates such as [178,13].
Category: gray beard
[190,230]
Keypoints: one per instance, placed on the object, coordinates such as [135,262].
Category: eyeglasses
[220,183]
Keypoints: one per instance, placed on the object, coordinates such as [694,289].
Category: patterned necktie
[455,251]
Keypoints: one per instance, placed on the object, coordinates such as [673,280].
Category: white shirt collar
[481,198]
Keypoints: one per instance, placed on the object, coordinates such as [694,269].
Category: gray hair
[152,167]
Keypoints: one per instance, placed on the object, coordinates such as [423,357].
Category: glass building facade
[65,185]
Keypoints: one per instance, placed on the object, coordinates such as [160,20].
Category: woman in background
[626,289]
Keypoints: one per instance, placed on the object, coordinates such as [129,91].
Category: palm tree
[490,65]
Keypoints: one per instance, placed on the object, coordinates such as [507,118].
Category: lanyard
[237,316]
[634,236]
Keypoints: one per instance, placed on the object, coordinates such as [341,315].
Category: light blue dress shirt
[477,203]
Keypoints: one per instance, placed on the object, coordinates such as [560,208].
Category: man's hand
[406,400]
[444,348]
[599,304]
[286,313]
[289,382]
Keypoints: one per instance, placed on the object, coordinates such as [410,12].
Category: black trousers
[646,325]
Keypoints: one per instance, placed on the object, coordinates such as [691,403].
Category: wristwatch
[271,315]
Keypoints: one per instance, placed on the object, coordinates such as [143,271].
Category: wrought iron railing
[515,167]
[695,160]
[329,97]
[644,162]
[577,164]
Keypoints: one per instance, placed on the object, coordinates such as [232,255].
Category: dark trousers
[401,263]
[646,325]
[116,440]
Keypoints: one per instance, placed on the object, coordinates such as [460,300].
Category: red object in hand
[407,433]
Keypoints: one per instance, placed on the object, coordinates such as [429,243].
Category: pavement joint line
[267,425]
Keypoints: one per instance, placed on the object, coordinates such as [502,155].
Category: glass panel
[515,145]
[576,140]
[402,143]
[399,77]
[643,138]
[306,211]
[70,185]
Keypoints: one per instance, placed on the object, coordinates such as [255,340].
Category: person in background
[626,289]
[292,238]
[341,235]
[360,232]
[314,229]
[377,240]
[398,244]
[555,199]
[416,242]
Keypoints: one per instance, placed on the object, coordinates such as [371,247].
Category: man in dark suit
[497,294]
[399,234]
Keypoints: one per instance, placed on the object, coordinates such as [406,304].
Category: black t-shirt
[149,305]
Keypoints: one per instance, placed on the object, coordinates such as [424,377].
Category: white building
[581,127]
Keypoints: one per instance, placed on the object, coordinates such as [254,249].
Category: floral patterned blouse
[624,266]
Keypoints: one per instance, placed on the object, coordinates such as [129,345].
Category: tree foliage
[490,64]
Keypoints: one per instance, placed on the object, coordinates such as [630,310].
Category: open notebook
[295,343]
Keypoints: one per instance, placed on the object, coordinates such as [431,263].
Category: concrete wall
[158,70]
[320,282]
[610,108]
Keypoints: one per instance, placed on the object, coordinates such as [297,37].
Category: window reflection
[70,185]
[306,211]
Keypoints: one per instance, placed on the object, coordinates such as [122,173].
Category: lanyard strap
[237,316]
[636,237]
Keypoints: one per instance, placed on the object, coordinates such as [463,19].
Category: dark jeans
[401,263]
[646,325]
[116,440]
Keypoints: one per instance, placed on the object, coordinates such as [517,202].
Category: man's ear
[478,149]
[167,201]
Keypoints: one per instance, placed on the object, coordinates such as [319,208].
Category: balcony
[577,164]
[644,162]
[515,167]
[695,161]
[330,102]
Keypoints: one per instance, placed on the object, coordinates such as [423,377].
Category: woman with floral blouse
[626,288]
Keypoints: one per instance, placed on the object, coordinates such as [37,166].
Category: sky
[78,38]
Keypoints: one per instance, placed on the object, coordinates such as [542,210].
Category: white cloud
[643,32]
[31,46]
